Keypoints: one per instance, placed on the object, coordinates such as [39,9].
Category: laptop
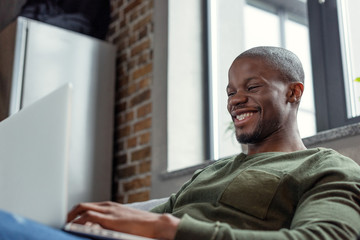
[34,159]
[100,233]
[34,144]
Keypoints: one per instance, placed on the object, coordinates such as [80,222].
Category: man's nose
[238,98]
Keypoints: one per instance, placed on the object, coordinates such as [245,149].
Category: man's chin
[248,138]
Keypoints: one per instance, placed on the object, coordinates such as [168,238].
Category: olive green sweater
[310,194]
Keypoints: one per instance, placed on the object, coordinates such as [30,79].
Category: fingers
[83,208]
[91,217]
[117,217]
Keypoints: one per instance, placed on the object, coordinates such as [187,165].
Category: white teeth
[243,116]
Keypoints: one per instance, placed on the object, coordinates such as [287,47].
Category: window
[333,40]
[350,49]
[200,39]
[185,85]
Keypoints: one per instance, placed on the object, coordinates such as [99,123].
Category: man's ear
[295,92]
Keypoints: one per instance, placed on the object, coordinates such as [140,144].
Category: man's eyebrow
[251,78]
[246,81]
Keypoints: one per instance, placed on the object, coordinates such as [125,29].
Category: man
[278,190]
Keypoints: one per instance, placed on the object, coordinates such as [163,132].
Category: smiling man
[277,190]
[264,92]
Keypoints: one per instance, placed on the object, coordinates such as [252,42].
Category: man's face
[257,100]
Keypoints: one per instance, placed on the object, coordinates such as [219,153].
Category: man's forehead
[252,65]
[249,61]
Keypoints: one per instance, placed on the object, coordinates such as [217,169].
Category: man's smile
[244,115]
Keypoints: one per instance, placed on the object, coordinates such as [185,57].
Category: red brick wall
[131,30]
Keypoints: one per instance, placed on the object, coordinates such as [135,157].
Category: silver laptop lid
[34,146]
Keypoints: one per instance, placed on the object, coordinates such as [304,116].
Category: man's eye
[250,88]
[230,94]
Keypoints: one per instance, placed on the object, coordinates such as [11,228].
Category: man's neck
[288,143]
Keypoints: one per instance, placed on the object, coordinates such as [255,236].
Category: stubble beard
[258,134]
[248,138]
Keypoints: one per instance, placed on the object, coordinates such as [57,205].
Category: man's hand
[117,217]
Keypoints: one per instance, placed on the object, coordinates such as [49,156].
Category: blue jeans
[15,227]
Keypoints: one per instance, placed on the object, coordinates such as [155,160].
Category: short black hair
[280,59]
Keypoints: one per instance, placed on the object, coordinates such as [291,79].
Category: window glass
[185,132]
[225,43]
[297,41]
[261,28]
[348,12]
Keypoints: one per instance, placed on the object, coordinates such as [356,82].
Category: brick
[122,24]
[139,197]
[142,71]
[142,125]
[111,31]
[140,98]
[120,120]
[130,65]
[121,159]
[144,138]
[126,172]
[120,3]
[124,132]
[144,83]
[121,57]
[144,110]
[132,88]
[141,154]
[127,91]
[145,167]
[143,33]
[122,106]
[151,4]
[120,199]
[129,116]
[122,35]
[123,44]
[134,15]
[137,183]
[132,6]
[123,80]
[132,142]
[143,58]
[144,45]
[133,39]
[143,22]
[113,23]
